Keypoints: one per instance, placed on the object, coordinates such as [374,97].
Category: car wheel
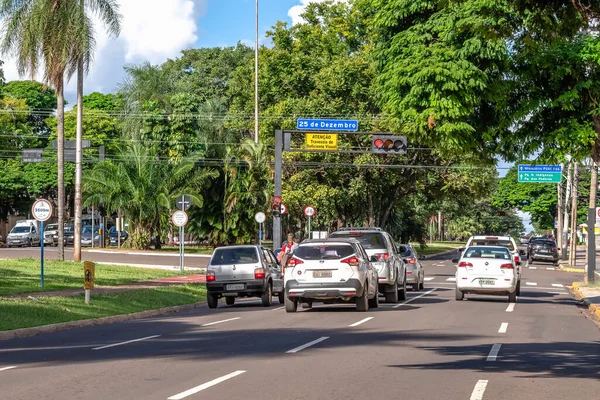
[291,305]
[512,297]
[29,244]
[422,282]
[213,300]
[362,302]
[458,295]
[307,305]
[392,296]
[374,302]
[230,300]
[281,297]
[416,286]
[267,296]
[402,290]
[518,291]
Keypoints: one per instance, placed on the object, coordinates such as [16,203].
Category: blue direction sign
[540,173]
[327,125]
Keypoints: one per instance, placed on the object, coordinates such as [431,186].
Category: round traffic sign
[179,218]
[41,210]
[283,209]
[260,217]
[309,211]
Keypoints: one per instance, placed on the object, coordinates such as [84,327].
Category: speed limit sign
[309,211]
[283,209]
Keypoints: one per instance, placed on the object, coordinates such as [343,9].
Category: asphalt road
[135,258]
[429,347]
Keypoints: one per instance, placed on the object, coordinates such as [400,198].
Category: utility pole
[559,212]
[591,244]
[565,232]
[573,247]
[440,226]
[78,162]
[256,78]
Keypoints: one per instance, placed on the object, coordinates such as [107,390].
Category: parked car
[114,236]
[87,235]
[543,250]
[24,233]
[331,270]
[415,273]
[487,270]
[389,264]
[68,235]
[51,235]
[243,271]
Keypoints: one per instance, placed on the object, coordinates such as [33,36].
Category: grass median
[27,313]
[23,275]
[437,247]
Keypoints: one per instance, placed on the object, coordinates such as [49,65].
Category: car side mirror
[373,259]
[455,261]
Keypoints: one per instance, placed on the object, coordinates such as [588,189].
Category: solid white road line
[134,253]
[430,278]
[7,368]
[542,288]
[510,307]
[304,346]
[153,266]
[494,352]
[414,298]
[479,390]
[451,280]
[550,269]
[531,283]
[362,321]
[278,308]
[220,322]
[557,285]
[127,342]
[532,267]
[503,327]
[206,385]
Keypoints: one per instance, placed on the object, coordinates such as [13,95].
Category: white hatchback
[486,270]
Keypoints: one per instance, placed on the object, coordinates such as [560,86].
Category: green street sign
[540,173]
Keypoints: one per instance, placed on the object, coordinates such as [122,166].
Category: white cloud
[151,30]
[295,12]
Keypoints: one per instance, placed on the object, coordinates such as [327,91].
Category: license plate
[322,274]
[487,282]
[235,287]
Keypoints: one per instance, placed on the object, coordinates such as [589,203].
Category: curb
[34,331]
[569,269]
[594,308]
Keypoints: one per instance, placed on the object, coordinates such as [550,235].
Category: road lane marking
[531,283]
[532,267]
[304,346]
[510,307]
[451,280]
[557,285]
[7,368]
[556,292]
[479,390]
[220,322]
[278,308]
[430,278]
[503,327]
[542,288]
[362,321]
[127,342]
[494,352]
[206,385]
[550,269]
[414,298]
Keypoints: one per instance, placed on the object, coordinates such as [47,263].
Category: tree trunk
[593,192]
[573,247]
[78,162]
[60,130]
[565,232]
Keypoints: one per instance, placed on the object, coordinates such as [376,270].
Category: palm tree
[107,10]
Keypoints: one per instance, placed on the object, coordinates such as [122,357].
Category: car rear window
[369,240]
[546,242]
[324,251]
[493,242]
[404,251]
[488,252]
[239,255]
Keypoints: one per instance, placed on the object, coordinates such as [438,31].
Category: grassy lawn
[437,247]
[25,313]
[171,249]
[23,275]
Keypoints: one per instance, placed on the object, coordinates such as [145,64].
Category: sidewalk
[590,296]
[170,281]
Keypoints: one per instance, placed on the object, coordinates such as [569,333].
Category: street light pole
[256,78]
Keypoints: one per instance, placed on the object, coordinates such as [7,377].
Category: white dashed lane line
[557,285]
[414,298]
[451,280]
[494,352]
[503,327]
[304,346]
[362,321]
[479,390]
[127,342]
[206,385]
[510,307]
[7,368]
[220,322]
[430,278]
[278,308]
[531,283]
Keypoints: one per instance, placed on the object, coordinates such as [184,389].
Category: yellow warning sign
[322,141]
[88,274]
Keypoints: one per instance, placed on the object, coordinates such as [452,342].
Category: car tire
[512,297]
[229,300]
[212,300]
[281,298]
[458,295]
[518,291]
[362,302]
[374,302]
[392,296]
[402,290]
[30,244]
[307,305]
[291,305]
[416,286]
[267,296]
[422,286]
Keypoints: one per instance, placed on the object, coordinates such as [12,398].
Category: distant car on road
[523,240]
[486,270]
[543,250]
[331,270]
[415,273]
[69,235]
[51,235]
[87,235]
[114,236]
[243,271]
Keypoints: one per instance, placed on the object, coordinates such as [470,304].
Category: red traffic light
[378,143]
[277,199]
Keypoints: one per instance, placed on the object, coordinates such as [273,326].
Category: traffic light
[389,144]
[277,206]
[501,213]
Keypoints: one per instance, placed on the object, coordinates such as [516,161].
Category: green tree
[40,99]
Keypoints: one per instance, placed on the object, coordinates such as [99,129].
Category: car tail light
[411,260]
[352,261]
[554,249]
[517,259]
[507,266]
[491,237]
[259,273]
[292,262]
[384,256]
[210,276]
[465,264]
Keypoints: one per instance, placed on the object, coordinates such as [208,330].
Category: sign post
[540,173]
[89,275]
[309,211]
[42,211]
[180,218]
[260,217]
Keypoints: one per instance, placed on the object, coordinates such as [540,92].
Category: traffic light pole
[278,173]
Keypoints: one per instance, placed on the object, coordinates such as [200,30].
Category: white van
[24,233]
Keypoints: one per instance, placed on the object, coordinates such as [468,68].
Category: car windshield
[487,252]
[493,242]
[87,229]
[68,229]
[51,227]
[324,251]
[369,240]
[20,229]
[405,251]
[235,255]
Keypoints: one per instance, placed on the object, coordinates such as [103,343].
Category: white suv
[330,270]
